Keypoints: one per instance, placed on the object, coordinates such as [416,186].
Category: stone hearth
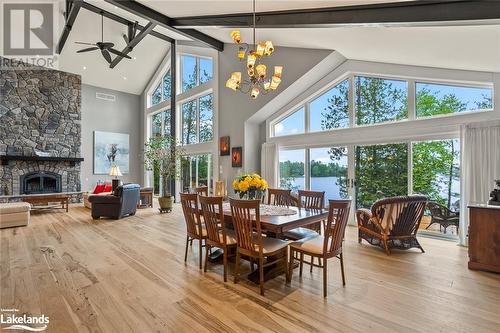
[40,111]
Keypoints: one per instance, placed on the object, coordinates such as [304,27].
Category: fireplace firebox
[41,182]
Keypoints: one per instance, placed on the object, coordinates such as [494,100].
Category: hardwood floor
[129,276]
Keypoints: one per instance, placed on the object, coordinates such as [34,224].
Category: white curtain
[269,162]
[480,167]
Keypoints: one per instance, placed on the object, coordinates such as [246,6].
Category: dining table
[275,221]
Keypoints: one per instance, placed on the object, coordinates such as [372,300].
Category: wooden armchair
[443,216]
[217,234]
[392,222]
[266,250]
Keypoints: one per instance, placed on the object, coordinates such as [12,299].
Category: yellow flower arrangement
[252,185]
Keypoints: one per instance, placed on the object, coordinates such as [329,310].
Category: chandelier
[258,80]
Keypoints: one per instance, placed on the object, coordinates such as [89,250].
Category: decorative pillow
[108,187]
[99,188]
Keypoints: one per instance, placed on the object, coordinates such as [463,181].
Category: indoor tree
[163,153]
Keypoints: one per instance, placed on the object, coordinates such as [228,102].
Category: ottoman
[14,214]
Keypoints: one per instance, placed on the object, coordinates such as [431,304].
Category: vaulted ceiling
[473,46]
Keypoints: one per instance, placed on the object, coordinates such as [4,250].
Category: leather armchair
[122,202]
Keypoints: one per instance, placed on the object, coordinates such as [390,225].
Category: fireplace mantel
[6,158]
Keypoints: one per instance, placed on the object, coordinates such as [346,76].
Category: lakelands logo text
[23,322]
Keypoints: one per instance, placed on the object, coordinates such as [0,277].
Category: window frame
[453,84]
[181,70]
[197,97]
[410,81]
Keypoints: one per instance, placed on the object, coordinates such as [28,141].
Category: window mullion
[307,173]
[307,118]
[410,168]
[351,107]
[412,100]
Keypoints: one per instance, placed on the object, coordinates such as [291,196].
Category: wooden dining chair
[217,234]
[195,229]
[327,246]
[266,250]
[202,190]
[278,197]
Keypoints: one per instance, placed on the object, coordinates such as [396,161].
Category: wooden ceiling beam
[406,12]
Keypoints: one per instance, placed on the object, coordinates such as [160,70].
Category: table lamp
[115,172]
[220,188]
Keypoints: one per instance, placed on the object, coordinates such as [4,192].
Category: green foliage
[377,101]
[336,113]
[161,153]
[381,171]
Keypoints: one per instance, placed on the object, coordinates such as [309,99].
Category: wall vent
[106,97]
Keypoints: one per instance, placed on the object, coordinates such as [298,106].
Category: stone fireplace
[40,131]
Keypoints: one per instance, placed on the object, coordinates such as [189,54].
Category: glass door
[328,170]
[380,171]
[196,171]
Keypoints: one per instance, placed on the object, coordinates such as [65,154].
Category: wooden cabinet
[484,237]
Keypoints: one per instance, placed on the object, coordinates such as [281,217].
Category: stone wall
[40,111]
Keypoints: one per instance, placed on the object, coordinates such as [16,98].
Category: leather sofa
[122,202]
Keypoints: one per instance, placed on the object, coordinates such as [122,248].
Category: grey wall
[235,108]
[122,116]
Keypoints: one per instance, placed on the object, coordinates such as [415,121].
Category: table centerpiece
[250,186]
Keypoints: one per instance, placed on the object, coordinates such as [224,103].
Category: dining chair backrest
[338,215]
[311,199]
[244,214]
[278,197]
[189,202]
[202,190]
[214,218]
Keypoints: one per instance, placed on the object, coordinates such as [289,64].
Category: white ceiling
[130,75]
[457,47]
[475,47]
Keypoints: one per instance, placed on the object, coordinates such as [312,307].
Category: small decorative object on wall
[251,186]
[110,149]
[236,157]
[224,146]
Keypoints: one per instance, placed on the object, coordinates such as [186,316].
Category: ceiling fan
[105,47]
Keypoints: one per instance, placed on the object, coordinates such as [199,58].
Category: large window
[162,91]
[197,120]
[380,171]
[292,169]
[379,100]
[196,171]
[160,125]
[195,71]
[156,96]
[436,171]
[292,124]
[436,99]
[206,118]
[328,171]
[376,100]
[189,122]
[331,109]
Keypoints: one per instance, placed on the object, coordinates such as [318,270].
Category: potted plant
[162,153]
[251,186]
